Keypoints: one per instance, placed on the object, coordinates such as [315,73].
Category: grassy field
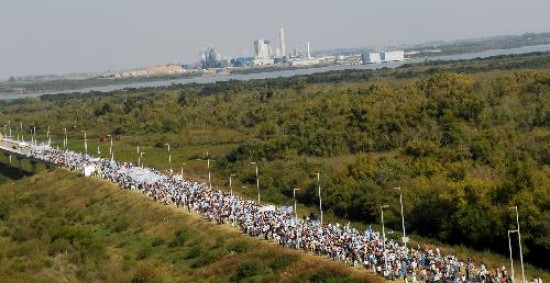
[62,227]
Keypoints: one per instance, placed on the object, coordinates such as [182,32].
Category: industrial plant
[266,54]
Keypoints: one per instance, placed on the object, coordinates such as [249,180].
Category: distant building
[263,62]
[262,49]
[391,56]
[282,40]
[371,58]
[303,62]
[242,62]
[379,57]
[210,58]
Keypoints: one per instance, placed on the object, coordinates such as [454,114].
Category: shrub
[145,252]
[157,242]
[282,261]
[144,274]
[208,258]
[247,269]
[180,238]
[195,251]
[240,246]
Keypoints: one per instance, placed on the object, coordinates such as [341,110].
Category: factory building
[283,42]
[371,58]
[262,49]
[210,59]
[379,57]
[392,56]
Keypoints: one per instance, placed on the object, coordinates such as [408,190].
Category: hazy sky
[63,36]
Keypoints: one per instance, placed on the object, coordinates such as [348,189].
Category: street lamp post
[33,129]
[21,131]
[384,238]
[111,146]
[257,181]
[231,184]
[85,144]
[510,249]
[320,199]
[295,208]
[405,240]
[65,140]
[140,161]
[519,242]
[208,165]
[169,157]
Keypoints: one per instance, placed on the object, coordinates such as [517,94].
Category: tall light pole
[33,129]
[404,239]
[169,157]
[295,208]
[257,181]
[141,158]
[510,249]
[320,199]
[208,165]
[65,140]
[384,237]
[22,132]
[519,242]
[85,144]
[111,146]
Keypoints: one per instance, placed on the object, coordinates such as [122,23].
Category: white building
[392,56]
[386,56]
[372,58]
[304,62]
[262,48]
[263,62]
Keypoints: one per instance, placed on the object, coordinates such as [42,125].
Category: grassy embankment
[59,226]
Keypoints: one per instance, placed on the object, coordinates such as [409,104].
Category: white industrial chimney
[282,38]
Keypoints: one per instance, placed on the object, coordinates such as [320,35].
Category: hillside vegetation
[59,226]
[464,140]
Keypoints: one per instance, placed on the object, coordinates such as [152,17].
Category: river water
[288,73]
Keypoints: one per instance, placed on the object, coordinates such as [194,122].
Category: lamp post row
[404,239]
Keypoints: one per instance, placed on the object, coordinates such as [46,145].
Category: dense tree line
[463,147]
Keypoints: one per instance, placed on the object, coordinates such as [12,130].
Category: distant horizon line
[405,45]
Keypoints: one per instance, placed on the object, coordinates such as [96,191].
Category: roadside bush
[240,246]
[180,238]
[248,268]
[282,261]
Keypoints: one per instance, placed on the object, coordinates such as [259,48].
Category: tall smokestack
[282,38]
[308,54]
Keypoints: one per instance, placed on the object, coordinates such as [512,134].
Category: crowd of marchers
[368,249]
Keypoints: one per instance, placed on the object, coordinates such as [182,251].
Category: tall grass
[59,226]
